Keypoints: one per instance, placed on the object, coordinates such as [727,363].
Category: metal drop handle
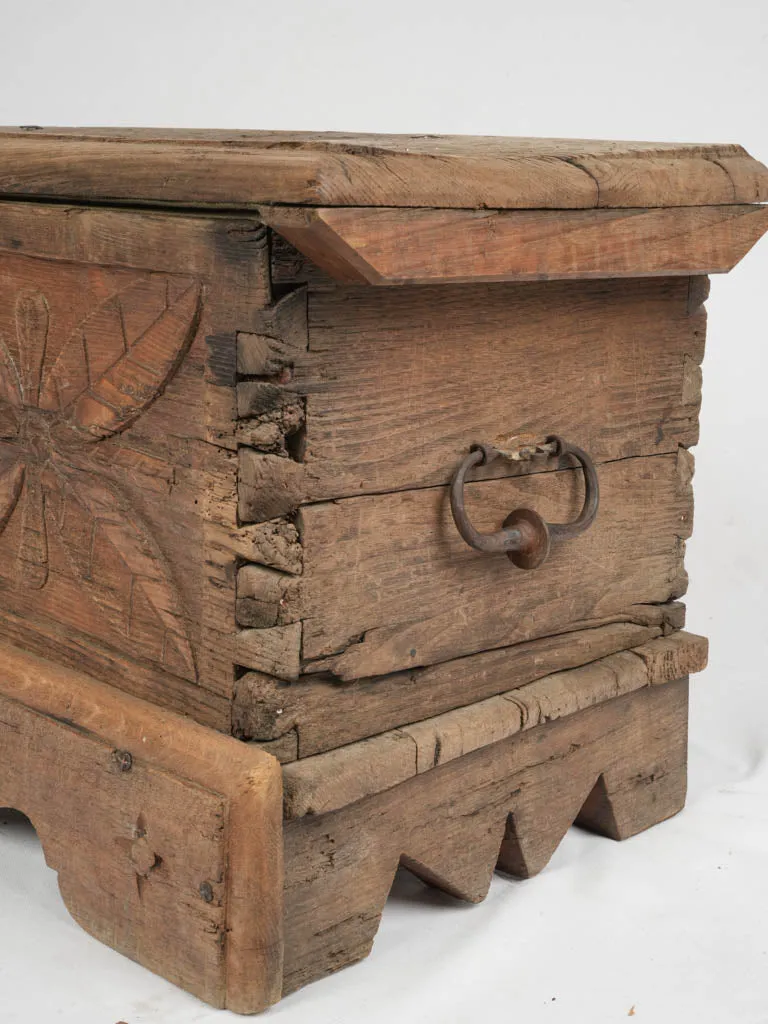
[525,537]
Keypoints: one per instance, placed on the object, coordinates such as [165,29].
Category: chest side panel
[390,614]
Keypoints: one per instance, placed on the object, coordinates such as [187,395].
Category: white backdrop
[670,926]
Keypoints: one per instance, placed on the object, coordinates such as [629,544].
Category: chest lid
[410,209]
[243,169]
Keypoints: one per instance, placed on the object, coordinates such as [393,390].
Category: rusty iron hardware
[525,537]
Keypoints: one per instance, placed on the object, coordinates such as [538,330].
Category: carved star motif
[55,407]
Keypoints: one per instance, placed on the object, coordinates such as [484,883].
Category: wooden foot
[546,802]
[634,795]
[165,834]
[618,766]
[638,787]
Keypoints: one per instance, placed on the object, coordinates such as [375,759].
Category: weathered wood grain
[274,650]
[150,820]
[328,781]
[285,748]
[439,599]
[271,414]
[391,368]
[269,486]
[243,169]
[394,614]
[225,248]
[273,543]
[279,339]
[510,802]
[323,713]
[398,246]
[223,489]
[399,383]
[266,597]
[118,334]
[46,638]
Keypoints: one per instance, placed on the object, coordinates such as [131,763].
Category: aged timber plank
[418,374]
[42,637]
[321,713]
[220,246]
[393,398]
[242,169]
[165,834]
[326,782]
[398,246]
[439,599]
[624,759]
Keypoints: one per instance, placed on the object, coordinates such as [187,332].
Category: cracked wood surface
[242,169]
[397,246]
[438,599]
[393,396]
[329,781]
[616,768]
[315,714]
[165,834]
[392,402]
[348,391]
[399,383]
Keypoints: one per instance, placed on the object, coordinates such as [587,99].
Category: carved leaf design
[9,424]
[97,343]
[121,357]
[10,381]
[11,483]
[32,563]
[119,563]
[32,320]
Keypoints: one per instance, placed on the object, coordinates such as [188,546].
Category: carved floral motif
[54,406]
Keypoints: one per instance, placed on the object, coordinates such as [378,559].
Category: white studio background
[670,926]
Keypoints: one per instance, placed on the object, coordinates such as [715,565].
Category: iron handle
[525,537]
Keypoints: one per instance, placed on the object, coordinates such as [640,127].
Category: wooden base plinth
[167,835]
[618,768]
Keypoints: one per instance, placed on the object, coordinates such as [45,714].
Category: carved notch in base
[618,767]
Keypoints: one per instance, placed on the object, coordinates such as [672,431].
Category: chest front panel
[118,464]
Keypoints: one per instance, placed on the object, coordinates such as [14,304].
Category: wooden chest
[270,408]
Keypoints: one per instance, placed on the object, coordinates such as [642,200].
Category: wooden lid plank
[240,170]
[398,247]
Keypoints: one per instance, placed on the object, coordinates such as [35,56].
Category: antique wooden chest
[344,490]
